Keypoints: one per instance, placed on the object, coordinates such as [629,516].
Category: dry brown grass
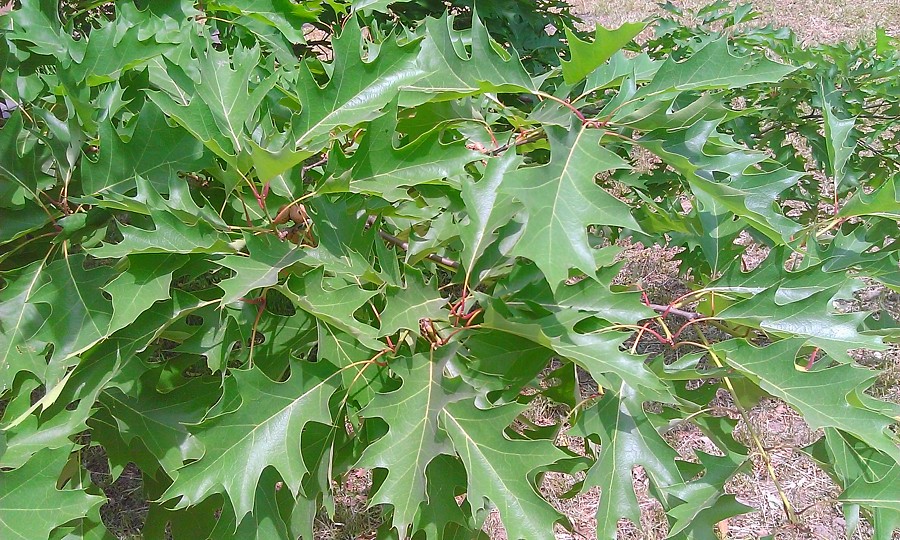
[352,519]
[824,21]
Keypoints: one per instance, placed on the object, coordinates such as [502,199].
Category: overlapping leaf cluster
[248,270]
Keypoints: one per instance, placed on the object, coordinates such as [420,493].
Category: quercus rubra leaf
[120,162]
[270,517]
[442,516]
[492,361]
[19,321]
[269,256]
[753,186]
[31,504]
[497,466]
[487,208]
[415,414]
[418,300]
[844,406]
[555,236]
[333,306]
[627,439]
[40,30]
[589,296]
[357,90]
[145,282]
[379,167]
[68,404]
[344,240]
[838,134]
[883,496]
[239,445]
[869,476]
[83,314]
[159,419]
[287,17]
[451,69]
[98,66]
[705,502]
[713,66]
[20,171]
[811,317]
[883,202]
[598,353]
[221,103]
[788,285]
[169,235]
[265,251]
[588,56]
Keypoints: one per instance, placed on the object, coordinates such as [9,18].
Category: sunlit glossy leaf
[497,466]
[562,200]
[238,446]
[415,437]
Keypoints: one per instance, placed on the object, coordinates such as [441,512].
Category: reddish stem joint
[812,359]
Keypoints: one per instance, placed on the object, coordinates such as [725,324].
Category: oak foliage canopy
[249,258]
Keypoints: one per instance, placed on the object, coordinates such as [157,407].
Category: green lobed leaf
[155,151]
[414,413]
[357,91]
[555,237]
[497,466]
[407,306]
[145,282]
[169,235]
[260,268]
[839,137]
[288,17]
[19,321]
[159,419]
[334,307]
[260,433]
[827,397]
[586,57]
[378,167]
[451,71]
[488,209]
[31,504]
[598,352]
[754,184]
[627,439]
[713,67]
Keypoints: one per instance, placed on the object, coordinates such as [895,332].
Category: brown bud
[283,215]
[297,215]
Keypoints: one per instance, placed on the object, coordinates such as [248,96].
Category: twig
[878,152]
[306,168]
[391,239]
[564,103]
[692,318]
[689,315]
[785,502]
[518,141]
